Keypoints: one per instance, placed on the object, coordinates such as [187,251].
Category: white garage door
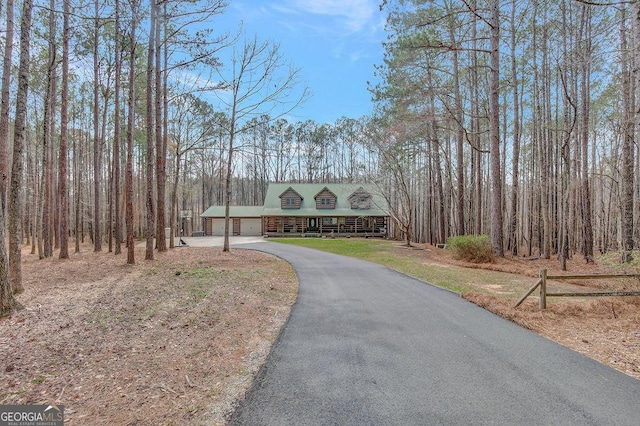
[218,227]
[250,227]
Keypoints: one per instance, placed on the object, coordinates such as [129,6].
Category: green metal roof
[308,191]
[234,211]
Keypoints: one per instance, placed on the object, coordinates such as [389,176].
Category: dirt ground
[178,340]
[174,341]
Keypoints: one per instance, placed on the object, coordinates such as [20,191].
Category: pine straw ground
[606,329]
[179,339]
[172,341]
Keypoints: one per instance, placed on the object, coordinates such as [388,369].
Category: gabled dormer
[325,199]
[290,199]
[360,200]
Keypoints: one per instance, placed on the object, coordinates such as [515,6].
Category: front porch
[364,234]
[325,226]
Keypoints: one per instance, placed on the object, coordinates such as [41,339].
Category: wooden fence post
[543,289]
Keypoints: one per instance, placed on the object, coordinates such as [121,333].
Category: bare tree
[150,226]
[260,82]
[4,108]
[494,129]
[161,148]
[128,181]
[48,136]
[116,132]
[396,151]
[627,146]
[97,146]
[515,184]
[14,206]
[64,133]
[7,302]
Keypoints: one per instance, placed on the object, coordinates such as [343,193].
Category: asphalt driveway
[365,345]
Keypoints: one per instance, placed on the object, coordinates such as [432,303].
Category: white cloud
[351,16]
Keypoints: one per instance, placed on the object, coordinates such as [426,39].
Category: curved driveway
[365,345]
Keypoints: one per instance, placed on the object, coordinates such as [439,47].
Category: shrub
[471,248]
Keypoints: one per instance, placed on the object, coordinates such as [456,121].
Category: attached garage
[217,226]
[243,220]
[250,226]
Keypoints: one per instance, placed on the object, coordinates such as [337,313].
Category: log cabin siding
[360,200]
[325,199]
[290,199]
[326,202]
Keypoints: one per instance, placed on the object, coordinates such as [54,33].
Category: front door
[236,226]
[312,224]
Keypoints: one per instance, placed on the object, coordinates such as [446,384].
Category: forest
[512,118]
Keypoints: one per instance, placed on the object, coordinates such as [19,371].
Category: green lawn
[416,263]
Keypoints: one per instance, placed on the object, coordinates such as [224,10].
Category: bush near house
[471,248]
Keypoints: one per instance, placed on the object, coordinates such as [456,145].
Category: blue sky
[335,43]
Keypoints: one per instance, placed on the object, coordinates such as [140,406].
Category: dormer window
[360,200]
[290,199]
[325,199]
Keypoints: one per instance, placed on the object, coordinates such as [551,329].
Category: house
[302,209]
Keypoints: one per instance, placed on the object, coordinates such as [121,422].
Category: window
[327,221]
[290,199]
[290,203]
[361,202]
[325,202]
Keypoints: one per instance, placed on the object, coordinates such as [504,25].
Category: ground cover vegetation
[605,329]
[174,341]
[471,248]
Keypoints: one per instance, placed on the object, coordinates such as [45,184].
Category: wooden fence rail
[542,284]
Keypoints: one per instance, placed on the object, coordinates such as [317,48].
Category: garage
[217,226]
[251,226]
[243,220]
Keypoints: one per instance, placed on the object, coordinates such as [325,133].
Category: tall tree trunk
[513,224]
[150,230]
[128,181]
[628,158]
[116,134]
[475,125]
[544,142]
[165,124]
[227,185]
[494,128]
[7,302]
[48,137]
[174,196]
[587,228]
[14,206]
[77,174]
[460,181]
[567,130]
[4,109]
[64,119]
[161,174]
[97,151]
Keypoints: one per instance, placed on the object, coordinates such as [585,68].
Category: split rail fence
[542,284]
